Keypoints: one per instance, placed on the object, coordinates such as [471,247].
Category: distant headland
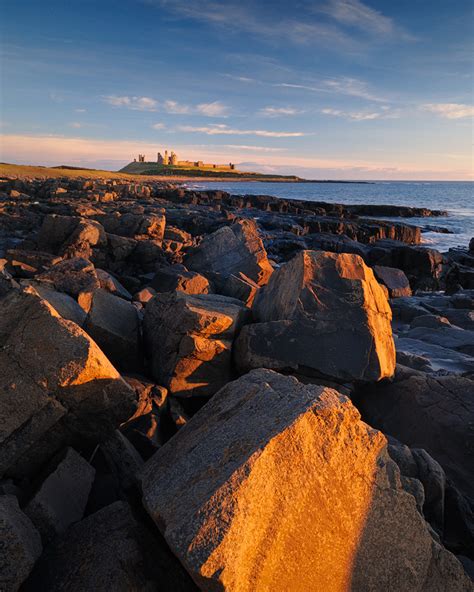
[169,165]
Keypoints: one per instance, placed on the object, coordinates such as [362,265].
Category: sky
[325,89]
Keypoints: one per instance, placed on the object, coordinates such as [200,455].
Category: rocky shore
[205,391]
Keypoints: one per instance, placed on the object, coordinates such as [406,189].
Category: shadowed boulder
[276,485]
[230,250]
[324,313]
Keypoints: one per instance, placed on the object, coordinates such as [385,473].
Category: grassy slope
[24,171]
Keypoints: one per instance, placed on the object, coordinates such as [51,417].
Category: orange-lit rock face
[51,370]
[323,311]
[270,487]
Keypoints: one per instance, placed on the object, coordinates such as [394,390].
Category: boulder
[395,281]
[108,550]
[169,279]
[435,413]
[113,324]
[111,284]
[296,493]
[20,544]
[189,340]
[52,375]
[72,276]
[230,250]
[321,313]
[62,497]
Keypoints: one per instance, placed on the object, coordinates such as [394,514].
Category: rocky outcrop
[232,249]
[55,383]
[189,339]
[295,494]
[324,313]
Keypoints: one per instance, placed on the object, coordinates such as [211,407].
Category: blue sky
[324,88]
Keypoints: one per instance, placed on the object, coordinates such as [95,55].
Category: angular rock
[230,250]
[189,340]
[108,550]
[296,493]
[113,324]
[394,279]
[324,313]
[112,285]
[62,303]
[62,497]
[20,544]
[51,371]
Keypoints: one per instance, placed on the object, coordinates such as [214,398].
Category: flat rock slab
[275,486]
[440,358]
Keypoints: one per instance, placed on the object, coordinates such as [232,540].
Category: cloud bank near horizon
[48,150]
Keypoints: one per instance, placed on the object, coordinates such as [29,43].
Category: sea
[456,197]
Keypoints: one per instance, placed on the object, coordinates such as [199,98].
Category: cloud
[134,103]
[384,113]
[80,110]
[450,110]
[344,85]
[358,14]
[75,124]
[54,150]
[158,126]
[219,129]
[252,148]
[278,111]
[215,109]
[176,108]
[241,17]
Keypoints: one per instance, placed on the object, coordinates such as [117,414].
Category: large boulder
[20,544]
[52,375]
[189,340]
[431,412]
[108,550]
[276,485]
[230,250]
[321,313]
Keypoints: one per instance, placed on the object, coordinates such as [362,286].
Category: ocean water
[455,197]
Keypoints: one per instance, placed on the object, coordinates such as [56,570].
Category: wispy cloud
[134,103]
[215,109]
[158,126]
[245,17]
[219,129]
[278,111]
[344,85]
[80,110]
[252,148]
[450,110]
[384,113]
[176,108]
[357,14]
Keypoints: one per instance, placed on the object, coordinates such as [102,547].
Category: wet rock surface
[128,311]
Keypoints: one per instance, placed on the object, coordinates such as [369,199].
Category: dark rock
[395,281]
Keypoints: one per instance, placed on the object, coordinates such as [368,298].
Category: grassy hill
[152,168]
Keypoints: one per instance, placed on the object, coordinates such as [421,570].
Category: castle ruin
[171,159]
